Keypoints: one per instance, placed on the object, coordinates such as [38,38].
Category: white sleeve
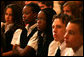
[2,24]
[16,37]
[33,42]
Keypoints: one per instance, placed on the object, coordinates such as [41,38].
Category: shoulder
[33,26]
[33,41]
[2,24]
[52,48]
[16,36]
[53,43]
[67,52]
[34,36]
[18,30]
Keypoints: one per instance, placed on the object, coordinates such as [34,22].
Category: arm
[9,53]
[27,51]
[15,40]
[30,49]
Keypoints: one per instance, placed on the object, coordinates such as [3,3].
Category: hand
[15,51]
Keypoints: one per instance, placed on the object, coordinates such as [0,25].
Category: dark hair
[48,37]
[17,15]
[81,14]
[65,18]
[34,6]
[79,22]
[49,15]
[47,3]
[74,8]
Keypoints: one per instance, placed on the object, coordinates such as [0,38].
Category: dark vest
[8,37]
[24,39]
[3,41]
[43,44]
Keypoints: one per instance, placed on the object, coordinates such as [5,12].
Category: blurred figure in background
[61,5]
[45,4]
[27,2]
[71,8]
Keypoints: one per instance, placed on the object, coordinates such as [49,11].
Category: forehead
[72,26]
[57,21]
[66,7]
[27,8]
[9,10]
[41,14]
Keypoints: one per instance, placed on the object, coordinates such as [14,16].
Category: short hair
[74,8]
[47,3]
[79,22]
[65,18]
[34,6]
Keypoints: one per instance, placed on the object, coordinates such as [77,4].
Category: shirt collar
[79,52]
[8,27]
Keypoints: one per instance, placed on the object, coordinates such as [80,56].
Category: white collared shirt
[79,52]
[29,29]
[16,37]
[54,46]
[33,42]
[67,52]
[7,27]
[17,34]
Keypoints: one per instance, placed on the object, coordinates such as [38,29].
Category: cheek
[8,18]
[30,17]
[61,33]
[71,41]
[11,17]
[77,40]
[44,24]
[5,17]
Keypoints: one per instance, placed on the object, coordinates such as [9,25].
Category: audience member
[74,36]
[40,41]
[57,46]
[14,21]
